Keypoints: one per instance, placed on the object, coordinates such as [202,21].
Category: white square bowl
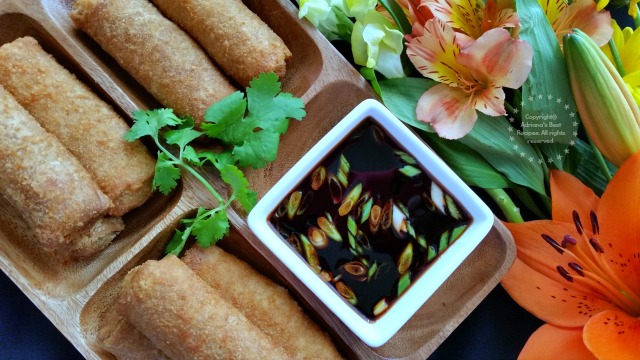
[374,332]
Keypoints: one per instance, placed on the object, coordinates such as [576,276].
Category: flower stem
[506,205]
[601,161]
[616,57]
[636,19]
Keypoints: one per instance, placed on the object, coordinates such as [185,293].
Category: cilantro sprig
[250,127]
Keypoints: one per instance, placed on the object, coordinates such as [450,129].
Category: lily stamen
[577,222]
[553,243]
[595,227]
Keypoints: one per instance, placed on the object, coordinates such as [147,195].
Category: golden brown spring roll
[156,52]
[263,302]
[88,127]
[45,184]
[118,336]
[186,318]
[236,38]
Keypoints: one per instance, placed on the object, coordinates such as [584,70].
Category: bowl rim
[376,332]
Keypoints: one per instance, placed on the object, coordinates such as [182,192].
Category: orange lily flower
[580,271]
[472,74]
[581,14]
[472,17]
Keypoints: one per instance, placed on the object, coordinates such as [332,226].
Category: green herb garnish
[249,127]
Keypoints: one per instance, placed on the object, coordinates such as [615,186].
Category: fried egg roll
[118,336]
[88,127]
[186,318]
[47,186]
[236,38]
[263,302]
[156,52]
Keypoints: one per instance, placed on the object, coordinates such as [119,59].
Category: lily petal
[613,335]
[553,9]
[536,253]
[448,110]
[619,220]
[433,51]
[557,303]
[569,194]
[552,342]
[498,59]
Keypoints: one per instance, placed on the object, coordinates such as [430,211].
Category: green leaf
[496,140]
[268,107]
[472,168]
[189,154]
[401,97]
[231,175]
[547,92]
[260,148]
[166,174]
[211,228]
[176,244]
[226,112]
[181,137]
[588,170]
[398,15]
[149,123]
[370,75]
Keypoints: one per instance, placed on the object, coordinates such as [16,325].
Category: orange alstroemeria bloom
[471,72]
[581,14]
[580,272]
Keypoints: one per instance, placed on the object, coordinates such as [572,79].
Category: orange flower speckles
[471,72]
[580,272]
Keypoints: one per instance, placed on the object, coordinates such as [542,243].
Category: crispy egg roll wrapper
[265,303]
[186,318]
[235,37]
[118,336]
[156,52]
[88,127]
[45,184]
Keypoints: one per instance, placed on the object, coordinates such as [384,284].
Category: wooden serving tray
[75,296]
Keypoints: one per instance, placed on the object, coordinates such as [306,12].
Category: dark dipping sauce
[366,219]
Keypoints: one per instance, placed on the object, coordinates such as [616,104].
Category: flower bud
[606,107]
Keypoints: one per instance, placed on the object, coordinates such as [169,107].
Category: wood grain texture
[75,297]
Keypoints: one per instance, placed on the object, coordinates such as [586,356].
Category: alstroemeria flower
[627,43]
[581,14]
[580,272]
[471,72]
[377,43]
[472,17]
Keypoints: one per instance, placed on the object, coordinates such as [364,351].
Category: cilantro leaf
[211,227]
[250,130]
[221,117]
[149,123]
[260,148]
[166,175]
[270,109]
[254,137]
[181,137]
[231,175]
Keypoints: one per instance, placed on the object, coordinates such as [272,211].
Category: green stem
[600,160]
[191,170]
[525,197]
[636,20]
[506,205]
[616,57]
